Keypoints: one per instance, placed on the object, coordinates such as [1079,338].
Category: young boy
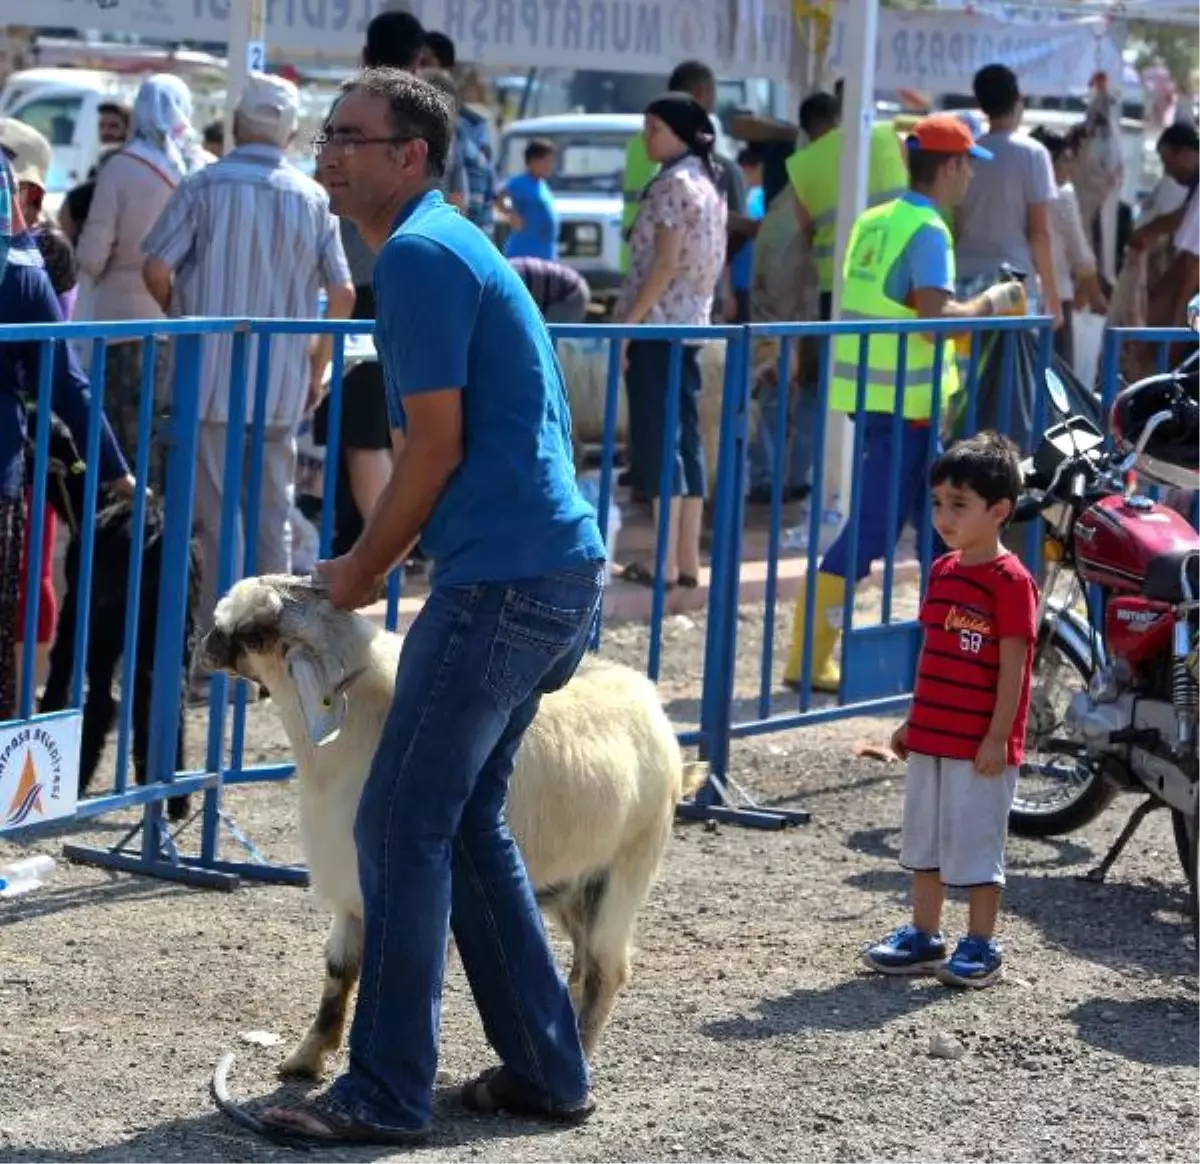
[528,204]
[965,731]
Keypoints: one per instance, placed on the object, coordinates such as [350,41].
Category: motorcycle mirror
[1193,313]
[1057,392]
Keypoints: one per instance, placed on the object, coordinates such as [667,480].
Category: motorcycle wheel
[1078,792]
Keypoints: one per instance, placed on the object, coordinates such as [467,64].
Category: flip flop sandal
[639,575]
[340,1126]
[499,1090]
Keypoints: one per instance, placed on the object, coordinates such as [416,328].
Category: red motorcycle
[1114,700]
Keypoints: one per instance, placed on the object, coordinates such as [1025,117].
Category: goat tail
[695,776]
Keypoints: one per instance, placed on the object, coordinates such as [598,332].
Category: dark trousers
[647,379]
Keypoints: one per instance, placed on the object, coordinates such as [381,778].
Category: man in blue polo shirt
[483,474]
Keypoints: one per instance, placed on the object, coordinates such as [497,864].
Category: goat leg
[343,957]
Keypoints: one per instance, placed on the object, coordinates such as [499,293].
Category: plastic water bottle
[29,873]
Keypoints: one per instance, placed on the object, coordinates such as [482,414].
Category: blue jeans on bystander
[435,853]
[875,484]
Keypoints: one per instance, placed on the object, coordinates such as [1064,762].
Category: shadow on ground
[122,888]
[864,1003]
[213,1137]
[1161,1032]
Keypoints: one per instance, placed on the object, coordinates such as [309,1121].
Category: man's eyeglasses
[346,141]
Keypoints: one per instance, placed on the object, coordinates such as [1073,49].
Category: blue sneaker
[975,962]
[906,951]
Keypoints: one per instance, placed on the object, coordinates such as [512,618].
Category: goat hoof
[178,807]
[300,1066]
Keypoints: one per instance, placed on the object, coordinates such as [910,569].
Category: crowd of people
[471,452]
[145,238]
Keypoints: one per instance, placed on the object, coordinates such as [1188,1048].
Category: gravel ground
[747,1032]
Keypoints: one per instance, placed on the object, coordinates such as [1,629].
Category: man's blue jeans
[435,853]
[875,483]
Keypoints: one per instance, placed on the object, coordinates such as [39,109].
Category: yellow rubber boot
[827,622]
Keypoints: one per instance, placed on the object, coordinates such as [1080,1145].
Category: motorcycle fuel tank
[1118,537]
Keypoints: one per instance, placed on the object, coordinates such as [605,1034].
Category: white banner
[940,52]
[931,51]
[39,770]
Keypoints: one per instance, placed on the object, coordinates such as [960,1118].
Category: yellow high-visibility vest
[639,170]
[878,239]
[813,172]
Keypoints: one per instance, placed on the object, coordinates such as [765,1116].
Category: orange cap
[945,133]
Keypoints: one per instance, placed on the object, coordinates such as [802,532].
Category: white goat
[591,801]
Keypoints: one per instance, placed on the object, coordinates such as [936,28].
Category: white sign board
[256,57]
[931,51]
[39,770]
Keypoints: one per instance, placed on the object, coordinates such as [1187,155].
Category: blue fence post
[137,549]
[180,438]
[715,715]
[333,445]
[226,567]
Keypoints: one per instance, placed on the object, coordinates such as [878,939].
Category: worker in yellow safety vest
[899,265]
[814,175]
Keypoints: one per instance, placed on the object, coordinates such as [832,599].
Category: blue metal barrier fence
[877,660]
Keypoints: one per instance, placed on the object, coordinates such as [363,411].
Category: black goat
[111,558]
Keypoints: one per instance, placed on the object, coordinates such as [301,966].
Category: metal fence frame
[158,853]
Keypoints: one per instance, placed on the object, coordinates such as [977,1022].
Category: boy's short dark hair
[442,48]
[1179,136]
[924,165]
[394,39]
[749,156]
[997,90]
[818,112]
[691,76]
[537,149]
[988,464]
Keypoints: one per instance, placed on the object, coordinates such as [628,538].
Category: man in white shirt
[218,249]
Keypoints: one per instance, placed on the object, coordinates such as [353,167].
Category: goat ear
[322,697]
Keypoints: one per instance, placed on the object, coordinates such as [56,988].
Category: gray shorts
[956,821]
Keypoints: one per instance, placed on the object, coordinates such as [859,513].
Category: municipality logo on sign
[39,771]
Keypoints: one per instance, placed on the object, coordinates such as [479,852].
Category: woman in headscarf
[131,190]
[677,254]
[27,296]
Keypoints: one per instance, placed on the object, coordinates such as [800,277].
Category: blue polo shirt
[452,313]
[538,236]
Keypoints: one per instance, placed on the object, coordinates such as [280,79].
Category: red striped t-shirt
[966,612]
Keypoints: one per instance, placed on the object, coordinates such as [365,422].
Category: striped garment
[966,612]
[250,236]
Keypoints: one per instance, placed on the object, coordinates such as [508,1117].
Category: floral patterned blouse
[683,197]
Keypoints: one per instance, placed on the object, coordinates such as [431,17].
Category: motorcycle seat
[1164,576]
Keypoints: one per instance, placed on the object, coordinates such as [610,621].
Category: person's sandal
[339,1126]
[499,1090]
[640,575]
